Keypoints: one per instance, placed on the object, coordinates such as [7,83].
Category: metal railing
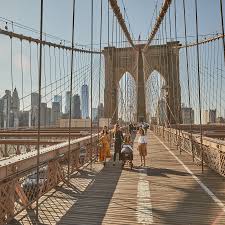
[212,152]
[18,175]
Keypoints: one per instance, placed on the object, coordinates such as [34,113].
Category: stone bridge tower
[162,58]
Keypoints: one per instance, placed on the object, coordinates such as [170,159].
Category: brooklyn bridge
[70,70]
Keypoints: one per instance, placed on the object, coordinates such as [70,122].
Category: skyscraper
[58,98]
[55,112]
[206,117]
[15,109]
[34,99]
[76,112]
[84,101]
[34,109]
[101,110]
[43,112]
[24,118]
[94,114]
[1,113]
[7,100]
[48,116]
[209,116]
[212,115]
[67,105]
[15,101]
[187,115]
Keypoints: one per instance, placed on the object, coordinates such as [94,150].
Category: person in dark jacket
[118,136]
[132,131]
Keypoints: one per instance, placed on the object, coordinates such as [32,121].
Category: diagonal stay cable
[121,21]
[159,20]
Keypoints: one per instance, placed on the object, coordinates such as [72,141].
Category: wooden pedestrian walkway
[170,190]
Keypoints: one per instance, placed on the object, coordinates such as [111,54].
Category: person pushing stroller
[127,152]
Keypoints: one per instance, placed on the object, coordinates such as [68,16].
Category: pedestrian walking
[105,146]
[132,131]
[142,146]
[118,136]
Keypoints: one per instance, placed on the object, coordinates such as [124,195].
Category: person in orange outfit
[105,145]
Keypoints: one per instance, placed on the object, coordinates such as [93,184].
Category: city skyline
[13,115]
[208,116]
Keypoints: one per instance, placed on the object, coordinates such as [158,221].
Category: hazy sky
[58,14]
[57,21]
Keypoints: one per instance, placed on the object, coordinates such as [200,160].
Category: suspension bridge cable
[71,87]
[19,25]
[31,83]
[222,26]
[199,81]
[159,20]
[203,41]
[121,21]
[48,43]
[100,67]
[39,105]
[22,70]
[92,32]
[11,63]
[187,66]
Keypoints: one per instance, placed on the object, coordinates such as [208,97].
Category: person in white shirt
[142,145]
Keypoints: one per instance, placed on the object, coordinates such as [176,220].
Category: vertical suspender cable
[125,92]
[100,68]
[45,80]
[92,9]
[177,78]
[170,25]
[31,88]
[50,69]
[222,26]
[60,75]
[108,70]
[188,74]
[71,86]
[112,71]
[39,103]
[55,70]
[177,81]
[21,64]
[64,71]
[199,80]
[11,63]
[175,31]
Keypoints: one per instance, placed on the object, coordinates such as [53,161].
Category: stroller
[127,155]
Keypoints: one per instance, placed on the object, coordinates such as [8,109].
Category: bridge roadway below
[170,190]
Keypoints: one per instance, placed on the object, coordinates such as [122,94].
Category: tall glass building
[67,105]
[58,98]
[76,112]
[85,101]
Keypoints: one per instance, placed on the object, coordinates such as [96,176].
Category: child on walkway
[142,145]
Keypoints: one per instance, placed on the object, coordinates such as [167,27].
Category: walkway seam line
[144,205]
[202,185]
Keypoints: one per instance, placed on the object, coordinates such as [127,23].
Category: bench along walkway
[170,190]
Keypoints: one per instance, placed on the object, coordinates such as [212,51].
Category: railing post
[6,151]
[180,149]
[192,150]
